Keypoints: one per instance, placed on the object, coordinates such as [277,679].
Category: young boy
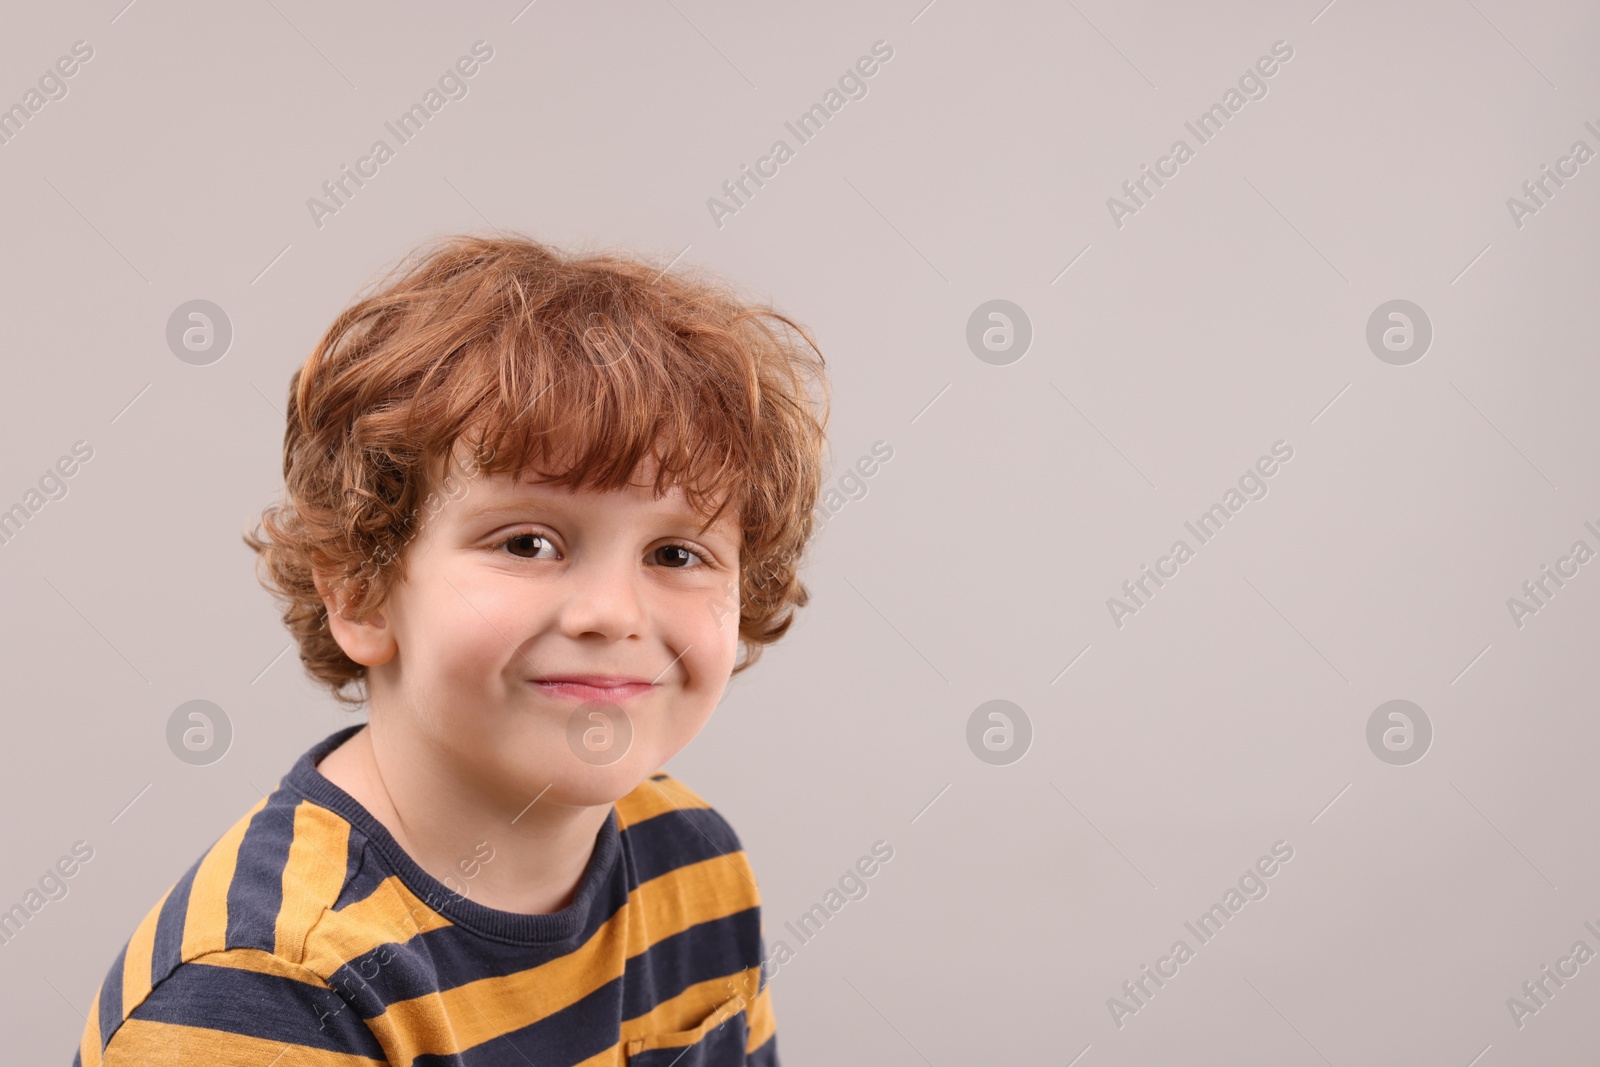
[533,504]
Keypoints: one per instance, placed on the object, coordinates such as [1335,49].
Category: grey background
[1228,314]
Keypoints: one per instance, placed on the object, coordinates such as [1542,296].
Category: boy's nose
[603,597]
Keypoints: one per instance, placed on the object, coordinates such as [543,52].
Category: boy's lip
[592,687]
[598,681]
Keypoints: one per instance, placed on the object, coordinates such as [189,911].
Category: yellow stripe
[747,983]
[684,1019]
[141,1041]
[458,1019]
[722,885]
[257,960]
[390,914]
[312,877]
[651,798]
[762,1023]
[136,965]
[205,927]
[89,1046]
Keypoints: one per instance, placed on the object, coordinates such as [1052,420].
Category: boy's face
[513,581]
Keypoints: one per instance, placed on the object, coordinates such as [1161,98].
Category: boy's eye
[673,556]
[676,552]
[530,541]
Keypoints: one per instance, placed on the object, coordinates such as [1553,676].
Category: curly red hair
[577,367]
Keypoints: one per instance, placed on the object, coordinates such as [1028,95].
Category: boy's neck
[448,828]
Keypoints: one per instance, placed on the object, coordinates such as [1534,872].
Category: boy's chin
[592,786]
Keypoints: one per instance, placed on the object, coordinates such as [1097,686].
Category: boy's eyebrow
[525,499]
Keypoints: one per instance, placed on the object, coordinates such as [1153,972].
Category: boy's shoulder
[662,792]
[667,826]
[278,907]
[256,886]
[244,913]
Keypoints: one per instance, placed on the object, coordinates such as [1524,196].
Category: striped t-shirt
[306,937]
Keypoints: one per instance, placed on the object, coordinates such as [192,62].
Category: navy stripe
[361,879]
[355,853]
[267,1006]
[167,952]
[452,956]
[255,895]
[723,1045]
[708,950]
[677,838]
[569,1036]
[766,1054]
[111,999]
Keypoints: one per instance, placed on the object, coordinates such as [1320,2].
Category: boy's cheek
[709,630]
[720,609]
[724,602]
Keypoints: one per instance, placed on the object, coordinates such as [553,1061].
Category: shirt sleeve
[238,1008]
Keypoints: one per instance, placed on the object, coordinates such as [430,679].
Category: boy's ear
[369,642]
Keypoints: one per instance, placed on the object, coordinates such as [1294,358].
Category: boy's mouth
[591,687]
